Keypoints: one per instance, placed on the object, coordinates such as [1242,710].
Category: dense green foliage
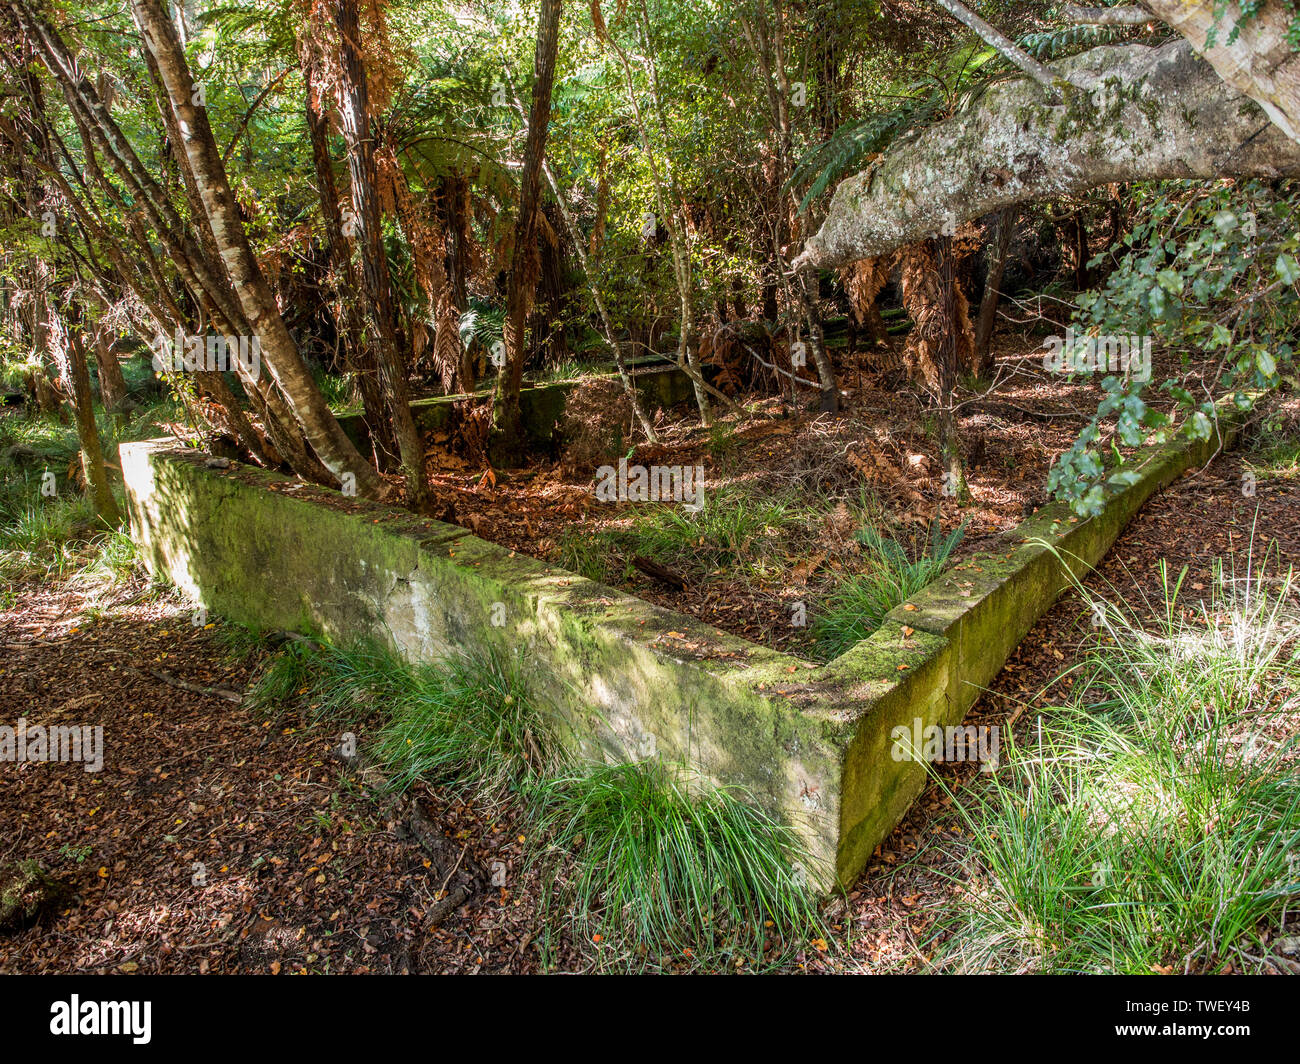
[1208,272]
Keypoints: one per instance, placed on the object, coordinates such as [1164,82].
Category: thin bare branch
[1003,44]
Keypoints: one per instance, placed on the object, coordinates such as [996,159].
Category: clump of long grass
[589,554]
[57,536]
[893,573]
[50,537]
[736,529]
[111,556]
[333,684]
[661,871]
[340,391]
[1151,823]
[733,528]
[649,869]
[468,723]
[1275,450]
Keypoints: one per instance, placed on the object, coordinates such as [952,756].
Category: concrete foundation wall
[627,679]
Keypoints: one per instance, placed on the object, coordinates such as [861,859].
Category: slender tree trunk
[280,353]
[354,118]
[1079,230]
[41,276]
[112,385]
[832,82]
[70,355]
[665,187]
[359,359]
[1115,212]
[993,292]
[768,45]
[596,245]
[524,263]
[946,359]
[48,400]
[607,324]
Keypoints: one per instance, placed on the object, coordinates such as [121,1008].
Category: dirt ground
[214,839]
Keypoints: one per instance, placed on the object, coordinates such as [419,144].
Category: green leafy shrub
[1208,271]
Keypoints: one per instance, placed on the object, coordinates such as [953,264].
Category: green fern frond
[1070,40]
[858,139]
[927,102]
[266,26]
[482,322]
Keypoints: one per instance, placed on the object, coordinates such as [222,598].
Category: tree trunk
[279,352]
[48,401]
[993,292]
[67,349]
[348,294]
[1079,231]
[1146,121]
[112,385]
[1253,55]
[40,275]
[354,119]
[768,44]
[665,190]
[947,359]
[607,324]
[524,263]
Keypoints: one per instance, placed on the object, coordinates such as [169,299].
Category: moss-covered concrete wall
[627,679]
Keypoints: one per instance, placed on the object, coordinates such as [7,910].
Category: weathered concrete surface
[627,679]
[967,623]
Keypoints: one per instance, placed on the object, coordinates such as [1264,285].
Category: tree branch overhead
[1133,113]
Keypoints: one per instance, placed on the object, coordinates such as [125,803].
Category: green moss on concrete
[899,674]
[627,679]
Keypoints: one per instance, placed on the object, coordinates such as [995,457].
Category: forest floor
[218,839]
[787,492]
[1204,516]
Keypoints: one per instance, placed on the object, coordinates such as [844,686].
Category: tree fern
[858,139]
[266,28]
[482,322]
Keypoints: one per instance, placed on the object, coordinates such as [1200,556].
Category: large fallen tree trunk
[1254,55]
[1133,113]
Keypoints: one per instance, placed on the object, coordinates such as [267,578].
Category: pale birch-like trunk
[1134,113]
[279,352]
